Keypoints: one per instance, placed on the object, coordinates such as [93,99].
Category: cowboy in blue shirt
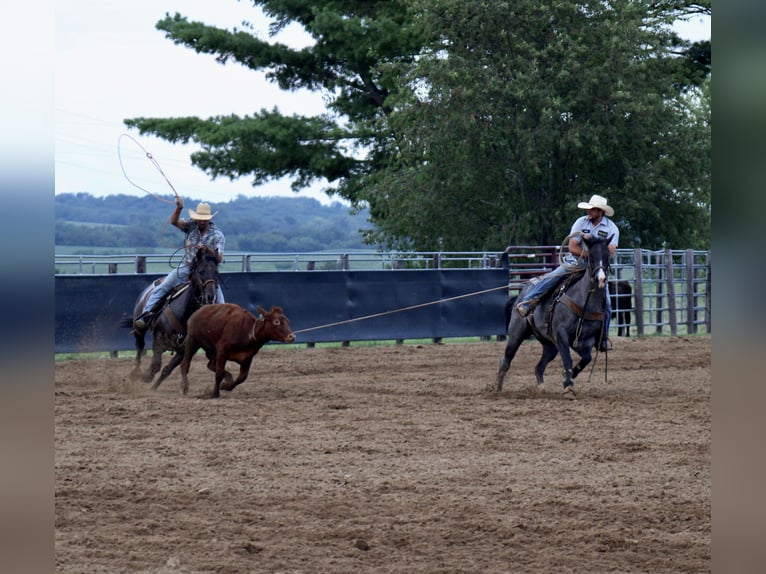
[595,222]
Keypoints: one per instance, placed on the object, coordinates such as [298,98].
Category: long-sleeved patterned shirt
[213,239]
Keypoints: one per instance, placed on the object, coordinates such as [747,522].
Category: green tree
[520,109]
[472,124]
[351,39]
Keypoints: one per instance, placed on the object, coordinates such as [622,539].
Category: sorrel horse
[568,317]
[169,326]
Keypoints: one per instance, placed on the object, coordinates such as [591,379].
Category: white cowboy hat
[599,203]
[202,213]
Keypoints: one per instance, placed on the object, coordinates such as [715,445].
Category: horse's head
[597,250]
[204,275]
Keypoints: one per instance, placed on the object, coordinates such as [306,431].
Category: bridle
[203,285]
[592,272]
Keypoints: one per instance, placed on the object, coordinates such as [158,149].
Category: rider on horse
[199,232]
[596,223]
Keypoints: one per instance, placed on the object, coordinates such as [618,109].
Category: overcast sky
[111,63]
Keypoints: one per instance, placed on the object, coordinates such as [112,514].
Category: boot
[524,308]
[141,324]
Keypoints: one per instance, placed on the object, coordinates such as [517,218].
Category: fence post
[659,300]
[112,268]
[437,261]
[141,264]
[246,263]
[691,299]
[673,317]
[708,294]
[343,262]
[639,285]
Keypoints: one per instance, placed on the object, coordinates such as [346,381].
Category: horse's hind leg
[155,365]
[518,330]
[549,353]
[140,343]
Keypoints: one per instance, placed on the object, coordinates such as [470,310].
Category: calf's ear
[261,310]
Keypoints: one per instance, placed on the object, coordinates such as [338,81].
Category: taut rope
[410,308]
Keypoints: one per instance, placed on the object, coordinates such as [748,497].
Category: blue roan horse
[573,319]
[169,327]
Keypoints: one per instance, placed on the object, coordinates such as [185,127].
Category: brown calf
[228,332]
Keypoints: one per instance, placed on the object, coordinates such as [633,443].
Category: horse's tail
[126,321]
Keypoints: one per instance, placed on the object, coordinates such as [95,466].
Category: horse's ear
[609,239]
[200,252]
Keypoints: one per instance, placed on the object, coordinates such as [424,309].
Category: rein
[580,311]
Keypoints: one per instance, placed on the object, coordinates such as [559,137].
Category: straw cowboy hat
[202,213]
[598,202]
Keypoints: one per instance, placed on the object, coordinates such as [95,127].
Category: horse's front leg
[585,358]
[174,361]
[549,353]
[562,343]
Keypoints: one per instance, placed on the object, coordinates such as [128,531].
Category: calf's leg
[244,369]
[190,349]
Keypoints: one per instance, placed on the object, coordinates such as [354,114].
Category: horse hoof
[569,393]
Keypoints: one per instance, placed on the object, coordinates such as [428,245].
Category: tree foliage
[472,124]
[520,109]
[261,224]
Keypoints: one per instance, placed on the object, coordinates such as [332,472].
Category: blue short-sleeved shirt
[605,228]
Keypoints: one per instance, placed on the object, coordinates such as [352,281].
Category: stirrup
[143,321]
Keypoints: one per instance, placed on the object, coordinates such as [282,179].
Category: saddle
[560,295]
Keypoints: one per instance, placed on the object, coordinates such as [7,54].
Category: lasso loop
[150,157]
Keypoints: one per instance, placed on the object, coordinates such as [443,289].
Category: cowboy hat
[599,203]
[202,213]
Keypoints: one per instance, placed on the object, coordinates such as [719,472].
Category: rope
[150,157]
[561,251]
[410,308]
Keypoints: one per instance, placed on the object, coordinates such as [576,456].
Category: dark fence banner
[323,306]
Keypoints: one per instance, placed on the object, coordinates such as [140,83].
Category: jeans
[552,279]
[178,276]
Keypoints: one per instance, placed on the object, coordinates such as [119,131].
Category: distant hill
[257,224]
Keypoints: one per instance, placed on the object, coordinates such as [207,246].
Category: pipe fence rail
[671,289]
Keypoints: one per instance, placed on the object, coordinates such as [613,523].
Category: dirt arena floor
[389,459]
